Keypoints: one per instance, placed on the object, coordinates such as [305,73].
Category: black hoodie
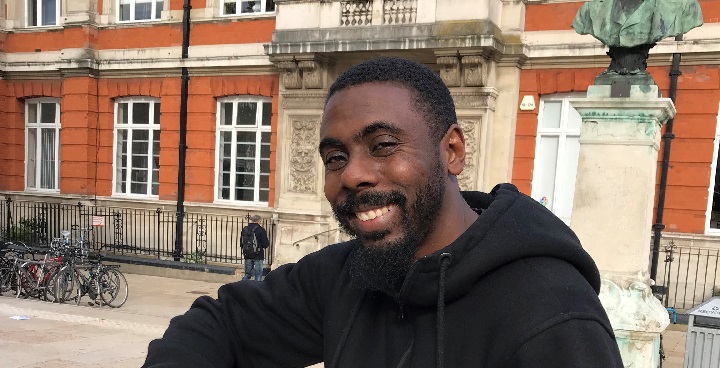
[515,290]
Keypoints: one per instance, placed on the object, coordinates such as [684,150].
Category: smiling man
[434,276]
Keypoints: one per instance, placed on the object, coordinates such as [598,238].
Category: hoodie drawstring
[346,330]
[444,260]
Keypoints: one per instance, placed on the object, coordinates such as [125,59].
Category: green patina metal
[630,23]
[630,28]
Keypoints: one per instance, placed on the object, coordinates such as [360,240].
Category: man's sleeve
[274,323]
[262,237]
[574,343]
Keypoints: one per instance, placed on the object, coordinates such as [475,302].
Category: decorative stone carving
[474,71]
[303,148]
[467,179]
[304,100]
[449,70]
[483,98]
[311,74]
[636,316]
[290,74]
[303,71]
[631,306]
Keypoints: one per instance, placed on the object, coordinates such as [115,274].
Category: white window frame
[258,127]
[131,127]
[38,146]
[153,12]
[38,14]
[562,133]
[263,6]
[711,190]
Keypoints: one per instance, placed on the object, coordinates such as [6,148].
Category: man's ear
[453,145]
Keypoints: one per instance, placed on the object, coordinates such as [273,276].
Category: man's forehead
[375,101]
[346,96]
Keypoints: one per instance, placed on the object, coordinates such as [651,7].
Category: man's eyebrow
[378,125]
[329,142]
[370,129]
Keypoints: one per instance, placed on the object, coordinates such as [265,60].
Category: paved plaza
[67,335]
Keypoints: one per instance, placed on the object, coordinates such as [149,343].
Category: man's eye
[335,161]
[384,148]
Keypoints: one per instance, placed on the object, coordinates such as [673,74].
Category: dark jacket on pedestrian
[262,239]
[518,291]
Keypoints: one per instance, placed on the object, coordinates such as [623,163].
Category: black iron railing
[131,231]
[687,276]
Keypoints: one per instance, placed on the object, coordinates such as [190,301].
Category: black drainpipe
[667,139]
[178,252]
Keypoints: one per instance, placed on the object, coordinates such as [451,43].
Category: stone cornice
[136,73]
[440,35]
[602,61]
[43,74]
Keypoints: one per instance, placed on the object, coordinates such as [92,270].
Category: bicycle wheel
[113,287]
[25,286]
[45,283]
[6,276]
[61,285]
[8,279]
[82,286]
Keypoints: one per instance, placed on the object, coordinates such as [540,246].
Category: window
[138,10]
[712,217]
[556,155]
[243,150]
[42,147]
[239,7]
[43,12]
[137,146]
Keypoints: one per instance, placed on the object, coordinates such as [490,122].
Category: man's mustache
[371,199]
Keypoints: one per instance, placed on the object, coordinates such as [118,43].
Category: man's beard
[383,267]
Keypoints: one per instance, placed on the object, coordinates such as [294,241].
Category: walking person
[254,241]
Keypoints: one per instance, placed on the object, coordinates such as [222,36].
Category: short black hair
[432,95]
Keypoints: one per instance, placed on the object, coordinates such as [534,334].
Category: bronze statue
[632,27]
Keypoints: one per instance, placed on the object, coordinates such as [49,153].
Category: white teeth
[369,215]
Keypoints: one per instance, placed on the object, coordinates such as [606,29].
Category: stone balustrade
[399,11]
[354,13]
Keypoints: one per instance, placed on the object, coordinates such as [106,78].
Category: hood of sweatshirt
[510,226]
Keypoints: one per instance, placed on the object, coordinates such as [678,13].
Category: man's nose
[359,173]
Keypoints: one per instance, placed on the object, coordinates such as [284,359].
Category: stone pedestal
[613,209]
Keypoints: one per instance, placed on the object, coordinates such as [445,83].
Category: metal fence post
[158,212]
[8,225]
[118,231]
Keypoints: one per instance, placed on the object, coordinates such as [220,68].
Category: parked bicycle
[67,271]
[94,280]
[12,253]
